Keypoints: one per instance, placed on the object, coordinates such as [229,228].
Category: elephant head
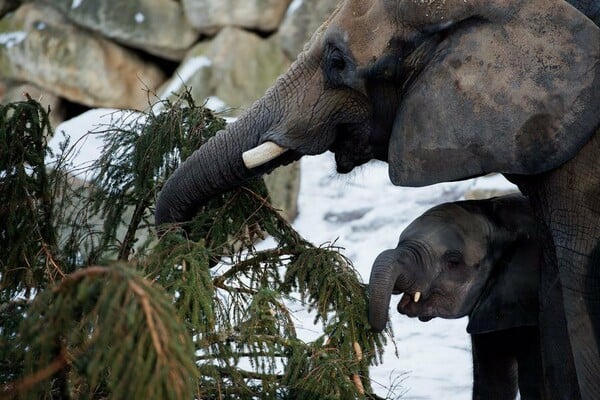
[477,258]
[441,90]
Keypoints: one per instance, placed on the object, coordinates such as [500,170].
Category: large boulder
[236,67]
[156,26]
[211,15]
[38,45]
[11,92]
[284,185]
[301,20]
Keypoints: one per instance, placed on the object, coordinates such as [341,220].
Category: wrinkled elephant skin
[445,90]
[479,258]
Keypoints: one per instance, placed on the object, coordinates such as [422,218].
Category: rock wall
[78,54]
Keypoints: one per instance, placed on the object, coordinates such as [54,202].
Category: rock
[284,185]
[156,26]
[11,93]
[211,15]
[300,22]
[38,45]
[195,74]
[214,69]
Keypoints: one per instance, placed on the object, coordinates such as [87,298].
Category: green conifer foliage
[26,205]
[94,305]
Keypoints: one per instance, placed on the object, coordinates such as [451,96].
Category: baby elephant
[476,258]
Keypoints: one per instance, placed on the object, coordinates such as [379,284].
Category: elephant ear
[513,92]
[510,298]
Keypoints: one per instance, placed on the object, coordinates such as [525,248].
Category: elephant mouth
[349,142]
[352,146]
[414,305]
[409,303]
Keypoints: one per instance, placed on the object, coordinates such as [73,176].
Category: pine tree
[95,306]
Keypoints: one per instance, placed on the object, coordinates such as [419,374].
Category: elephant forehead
[366,28]
[449,227]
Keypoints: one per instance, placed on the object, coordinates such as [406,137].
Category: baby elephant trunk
[387,275]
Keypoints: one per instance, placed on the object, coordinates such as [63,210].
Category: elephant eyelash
[453,258]
[337,60]
[335,63]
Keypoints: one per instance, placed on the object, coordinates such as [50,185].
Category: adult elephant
[446,90]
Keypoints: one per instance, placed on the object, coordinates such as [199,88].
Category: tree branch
[258,257]
[11,390]
[149,320]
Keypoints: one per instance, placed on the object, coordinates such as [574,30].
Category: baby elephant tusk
[262,154]
[417,297]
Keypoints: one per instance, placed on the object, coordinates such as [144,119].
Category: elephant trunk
[388,275]
[215,168]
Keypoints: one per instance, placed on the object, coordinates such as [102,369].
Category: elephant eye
[453,259]
[335,67]
[337,61]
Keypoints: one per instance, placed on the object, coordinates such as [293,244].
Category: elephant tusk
[417,297]
[262,154]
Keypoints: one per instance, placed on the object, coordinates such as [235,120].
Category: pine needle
[95,306]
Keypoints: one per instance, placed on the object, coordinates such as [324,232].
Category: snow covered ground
[363,213]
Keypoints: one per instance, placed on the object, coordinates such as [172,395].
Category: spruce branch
[198,312]
[89,311]
[26,208]
[153,326]
[257,258]
[14,389]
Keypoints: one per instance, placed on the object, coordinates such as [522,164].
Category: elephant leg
[579,272]
[529,359]
[494,367]
[555,346]
[567,201]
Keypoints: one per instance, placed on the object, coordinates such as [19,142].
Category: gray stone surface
[39,46]
[283,185]
[211,15]
[11,92]
[301,21]
[156,26]
[214,68]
